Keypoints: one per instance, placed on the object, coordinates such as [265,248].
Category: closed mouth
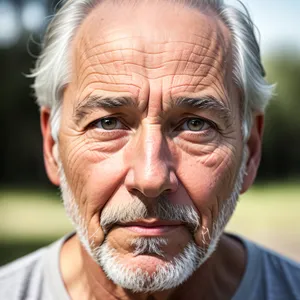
[151,228]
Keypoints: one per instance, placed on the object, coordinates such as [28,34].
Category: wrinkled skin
[152,54]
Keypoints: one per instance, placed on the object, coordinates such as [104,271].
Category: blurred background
[31,214]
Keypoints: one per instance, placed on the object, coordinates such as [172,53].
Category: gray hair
[53,67]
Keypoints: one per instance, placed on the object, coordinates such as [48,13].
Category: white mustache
[136,209]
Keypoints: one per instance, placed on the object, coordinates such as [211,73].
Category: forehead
[126,48]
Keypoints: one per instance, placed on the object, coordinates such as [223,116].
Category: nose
[151,169]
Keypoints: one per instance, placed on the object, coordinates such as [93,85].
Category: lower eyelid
[106,135]
[198,137]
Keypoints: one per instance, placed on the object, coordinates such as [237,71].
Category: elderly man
[152,119]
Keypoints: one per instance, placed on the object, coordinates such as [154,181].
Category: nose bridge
[152,163]
[155,160]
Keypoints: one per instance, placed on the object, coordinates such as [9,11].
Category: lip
[151,228]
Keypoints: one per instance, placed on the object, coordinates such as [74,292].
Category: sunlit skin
[151,56]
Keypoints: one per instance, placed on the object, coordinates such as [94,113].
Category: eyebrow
[205,103]
[93,102]
[107,102]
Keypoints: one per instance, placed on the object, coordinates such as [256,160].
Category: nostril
[167,191]
[136,193]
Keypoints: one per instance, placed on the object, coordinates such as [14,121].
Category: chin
[146,263]
[149,272]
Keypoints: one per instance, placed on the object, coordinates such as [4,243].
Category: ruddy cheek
[95,181]
[201,187]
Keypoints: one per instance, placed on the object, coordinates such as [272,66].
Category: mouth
[151,228]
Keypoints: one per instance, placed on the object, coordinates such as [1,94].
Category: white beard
[167,275]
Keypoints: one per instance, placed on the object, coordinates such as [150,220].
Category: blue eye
[108,124]
[195,124]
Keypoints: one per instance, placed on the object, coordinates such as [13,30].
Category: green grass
[33,216]
[268,214]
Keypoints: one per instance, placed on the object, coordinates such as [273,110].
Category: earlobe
[50,147]
[254,144]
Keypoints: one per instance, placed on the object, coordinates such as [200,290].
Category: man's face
[151,119]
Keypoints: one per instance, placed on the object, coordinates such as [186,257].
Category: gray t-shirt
[268,276]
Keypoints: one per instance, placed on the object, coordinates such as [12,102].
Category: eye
[108,124]
[195,124]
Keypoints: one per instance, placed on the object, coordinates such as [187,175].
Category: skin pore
[151,110]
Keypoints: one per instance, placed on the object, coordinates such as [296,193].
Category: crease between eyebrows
[205,103]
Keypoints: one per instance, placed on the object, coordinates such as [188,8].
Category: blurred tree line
[21,143]
[281,147]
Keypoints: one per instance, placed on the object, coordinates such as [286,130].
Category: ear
[254,144]
[50,147]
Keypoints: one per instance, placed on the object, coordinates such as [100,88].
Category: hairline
[238,59]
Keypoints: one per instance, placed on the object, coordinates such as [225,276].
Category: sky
[277,20]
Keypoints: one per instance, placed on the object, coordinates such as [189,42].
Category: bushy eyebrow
[107,102]
[205,103]
[93,102]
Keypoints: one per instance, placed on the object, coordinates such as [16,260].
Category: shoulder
[281,275]
[34,276]
[15,277]
[268,275]
[280,269]
[273,261]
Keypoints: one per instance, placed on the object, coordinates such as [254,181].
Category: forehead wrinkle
[125,13]
[198,86]
[131,38]
[196,60]
[205,34]
[200,83]
[119,85]
[126,85]
[199,78]
[207,43]
[148,52]
[170,61]
[205,74]
[201,73]
[181,75]
[198,56]
[197,63]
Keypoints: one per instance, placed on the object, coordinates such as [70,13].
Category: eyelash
[108,118]
[211,124]
[94,123]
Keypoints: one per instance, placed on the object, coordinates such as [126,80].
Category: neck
[221,275]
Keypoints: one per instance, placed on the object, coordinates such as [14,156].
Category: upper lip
[152,223]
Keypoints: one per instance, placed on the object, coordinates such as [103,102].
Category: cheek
[94,179]
[208,181]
